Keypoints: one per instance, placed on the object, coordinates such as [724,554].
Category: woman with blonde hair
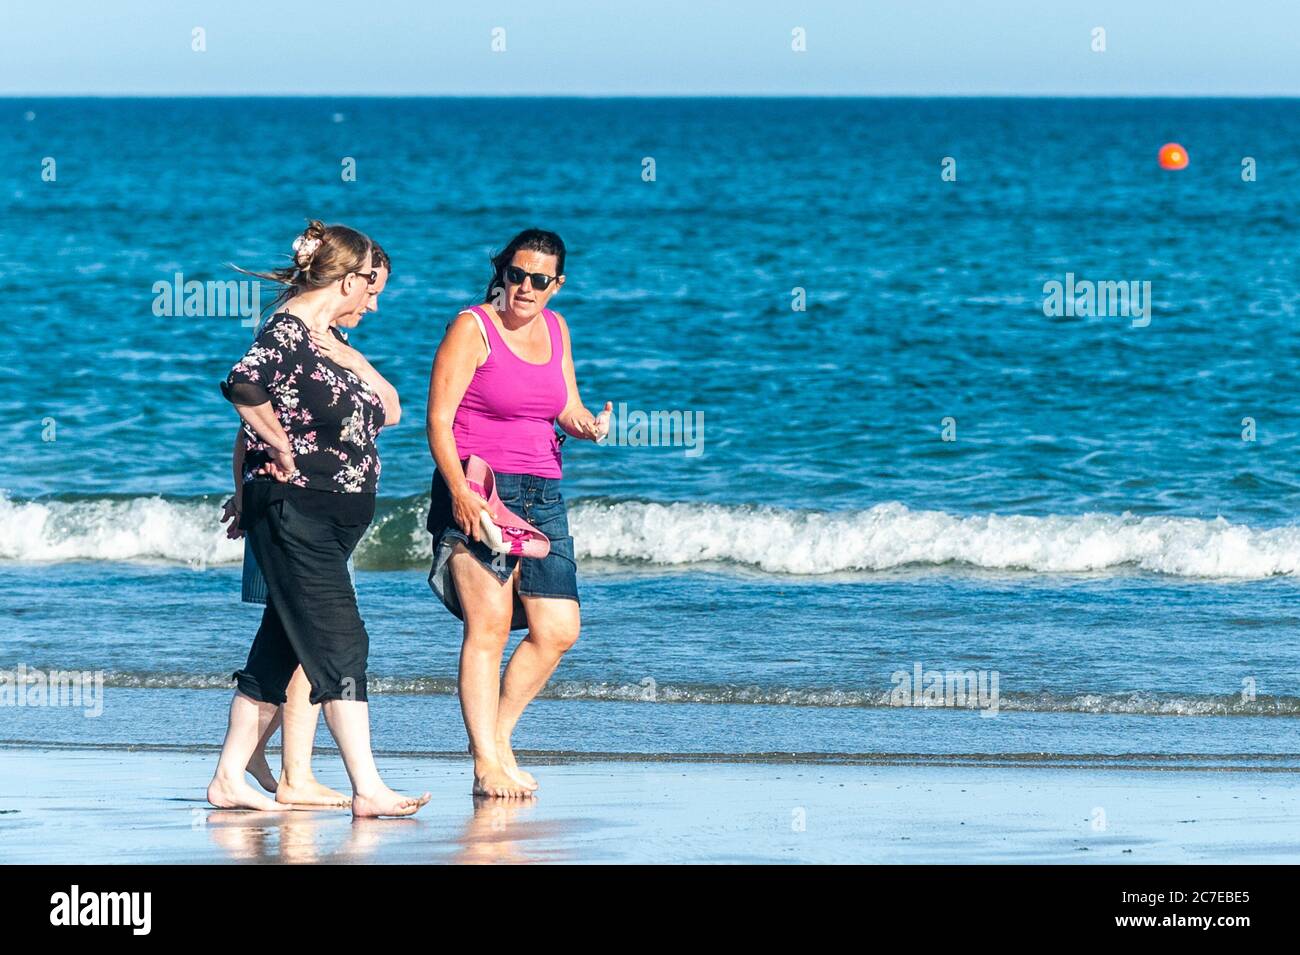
[311,414]
[297,783]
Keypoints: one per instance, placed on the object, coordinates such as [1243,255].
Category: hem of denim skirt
[459,535]
[532,593]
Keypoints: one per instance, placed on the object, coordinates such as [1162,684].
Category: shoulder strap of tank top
[557,340]
[483,322]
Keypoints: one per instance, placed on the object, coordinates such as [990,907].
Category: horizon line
[659,95]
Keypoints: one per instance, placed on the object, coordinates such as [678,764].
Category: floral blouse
[331,416]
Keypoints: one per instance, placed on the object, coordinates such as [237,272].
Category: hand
[602,422]
[231,510]
[281,466]
[589,428]
[338,352]
[466,507]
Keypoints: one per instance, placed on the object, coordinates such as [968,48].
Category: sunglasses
[515,276]
[371,277]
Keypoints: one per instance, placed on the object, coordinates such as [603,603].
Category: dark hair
[379,258]
[530,240]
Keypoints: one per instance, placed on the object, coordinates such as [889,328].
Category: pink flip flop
[504,531]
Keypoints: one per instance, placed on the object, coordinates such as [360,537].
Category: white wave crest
[130,529]
[774,540]
[891,535]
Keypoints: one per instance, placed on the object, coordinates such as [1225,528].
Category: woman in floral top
[330,414]
[297,783]
[311,408]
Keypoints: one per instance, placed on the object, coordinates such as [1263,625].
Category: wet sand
[133,806]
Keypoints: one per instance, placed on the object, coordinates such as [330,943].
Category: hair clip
[304,248]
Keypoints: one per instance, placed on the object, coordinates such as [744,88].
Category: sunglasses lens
[516,276]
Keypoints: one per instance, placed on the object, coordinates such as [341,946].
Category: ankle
[375,790]
[225,777]
[297,779]
[483,766]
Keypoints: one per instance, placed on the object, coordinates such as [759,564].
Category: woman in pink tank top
[502,380]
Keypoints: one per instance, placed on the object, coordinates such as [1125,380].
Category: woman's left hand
[593,429]
[230,512]
[338,352]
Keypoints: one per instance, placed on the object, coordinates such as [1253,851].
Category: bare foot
[385,802]
[261,771]
[311,793]
[496,782]
[507,757]
[237,794]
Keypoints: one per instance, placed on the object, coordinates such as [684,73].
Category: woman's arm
[246,387]
[344,354]
[575,419]
[237,465]
[261,418]
[461,352]
[387,393]
[235,505]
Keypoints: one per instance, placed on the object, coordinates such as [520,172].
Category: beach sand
[146,806]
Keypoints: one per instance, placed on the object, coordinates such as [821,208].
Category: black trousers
[311,615]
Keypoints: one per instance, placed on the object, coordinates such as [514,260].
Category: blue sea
[910,469]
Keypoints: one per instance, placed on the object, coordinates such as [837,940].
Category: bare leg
[258,766]
[248,722]
[487,604]
[349,721]
[297,783]
[553,625]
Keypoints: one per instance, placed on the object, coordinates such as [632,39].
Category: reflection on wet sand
[496,832]
[297,838]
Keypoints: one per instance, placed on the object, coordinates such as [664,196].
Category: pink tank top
[507,415]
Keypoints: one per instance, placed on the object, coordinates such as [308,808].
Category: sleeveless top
[507,416]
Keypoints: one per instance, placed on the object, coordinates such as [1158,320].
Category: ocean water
[903,463]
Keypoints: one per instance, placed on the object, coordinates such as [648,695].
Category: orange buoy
[1173,156]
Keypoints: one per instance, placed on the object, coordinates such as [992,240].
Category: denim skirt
[538,501]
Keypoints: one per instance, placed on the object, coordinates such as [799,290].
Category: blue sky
[621,47]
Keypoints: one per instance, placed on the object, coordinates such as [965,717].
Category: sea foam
[1129,702]
[766,539]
